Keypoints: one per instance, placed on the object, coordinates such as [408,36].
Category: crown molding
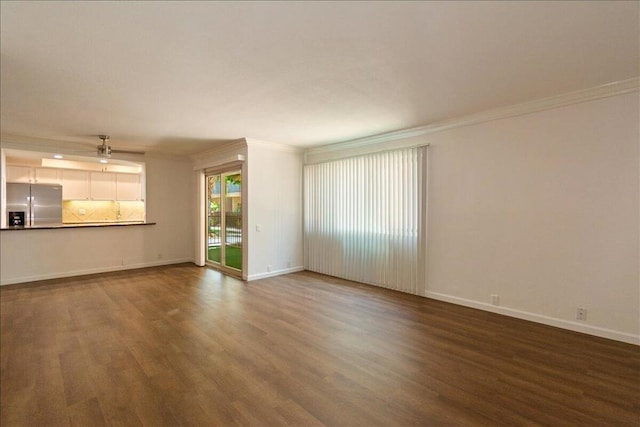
[603,91]
[226,153]
[273,146]
[20,142]
[224,148]
[44,145]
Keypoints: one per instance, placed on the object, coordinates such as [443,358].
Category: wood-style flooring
[183,345]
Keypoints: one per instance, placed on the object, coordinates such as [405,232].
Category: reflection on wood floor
[186,345]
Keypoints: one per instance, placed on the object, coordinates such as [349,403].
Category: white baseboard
[274,273]
[533,317]
[83,272]
[539,318]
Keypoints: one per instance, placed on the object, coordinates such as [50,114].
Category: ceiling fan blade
[142,153]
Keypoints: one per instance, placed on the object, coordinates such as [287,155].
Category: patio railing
[233,229]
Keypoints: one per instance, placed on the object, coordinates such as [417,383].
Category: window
[364,218]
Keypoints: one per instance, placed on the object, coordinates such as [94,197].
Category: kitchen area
[106,222]
[49,190]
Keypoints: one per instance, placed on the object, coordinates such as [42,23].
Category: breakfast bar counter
[80,225]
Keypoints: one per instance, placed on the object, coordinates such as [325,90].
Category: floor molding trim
[97,270]
[274,273]
[539,318]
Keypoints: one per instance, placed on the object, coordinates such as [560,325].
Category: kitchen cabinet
[21,174]
[82,184]
[75,185]
[103,186]
[28,175]
[128,187]
[47,176]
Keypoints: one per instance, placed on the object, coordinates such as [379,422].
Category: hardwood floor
[183,345]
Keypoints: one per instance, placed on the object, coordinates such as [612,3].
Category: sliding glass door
[224,220]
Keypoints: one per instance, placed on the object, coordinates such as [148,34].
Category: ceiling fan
[104,150]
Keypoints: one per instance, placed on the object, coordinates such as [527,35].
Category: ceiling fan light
[104,150]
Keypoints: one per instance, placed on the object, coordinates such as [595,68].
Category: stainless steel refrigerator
[34,205]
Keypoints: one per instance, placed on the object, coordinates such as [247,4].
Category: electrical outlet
[288,264]
[268,268]
[495,299]
[159,256]
[581,314]
[124,262]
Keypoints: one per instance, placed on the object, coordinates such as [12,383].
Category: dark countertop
[80,225]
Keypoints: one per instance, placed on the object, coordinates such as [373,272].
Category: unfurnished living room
[320,213]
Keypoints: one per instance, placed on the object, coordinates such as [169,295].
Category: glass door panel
[233,221]
[224,219]
[214,203]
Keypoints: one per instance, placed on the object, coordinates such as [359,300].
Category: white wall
[543,210]
[272,200]
[3,195]
[170,203]
[27,255]
[275,204]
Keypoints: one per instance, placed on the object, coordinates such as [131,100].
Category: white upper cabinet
[75,185]
[47,176]
[82,184]
[128,187]
[28,175]
[103,186]
[22,174]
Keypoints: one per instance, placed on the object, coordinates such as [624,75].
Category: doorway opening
[224,221]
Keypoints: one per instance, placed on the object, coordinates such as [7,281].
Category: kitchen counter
[80,225]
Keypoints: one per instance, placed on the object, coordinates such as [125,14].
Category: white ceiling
[179,77]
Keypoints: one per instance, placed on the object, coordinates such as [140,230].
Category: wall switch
[495,299]
[258,228]
[581,314]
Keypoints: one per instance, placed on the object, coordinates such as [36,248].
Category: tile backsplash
[79,211]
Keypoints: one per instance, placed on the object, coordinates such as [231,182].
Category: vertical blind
[364,218]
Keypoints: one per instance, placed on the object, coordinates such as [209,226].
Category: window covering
[365,218]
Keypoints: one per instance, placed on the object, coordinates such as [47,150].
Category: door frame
[201,217]
[222,265]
